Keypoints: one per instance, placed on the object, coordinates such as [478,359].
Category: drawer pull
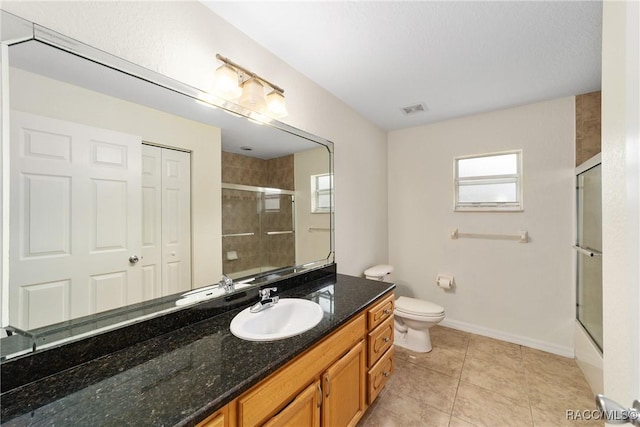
[385,373]
[386,339]
[387,311]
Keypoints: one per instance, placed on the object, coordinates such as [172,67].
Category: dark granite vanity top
[180,377]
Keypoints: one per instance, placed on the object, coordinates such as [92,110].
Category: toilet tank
[380,272]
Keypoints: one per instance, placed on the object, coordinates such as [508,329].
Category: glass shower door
[589,253]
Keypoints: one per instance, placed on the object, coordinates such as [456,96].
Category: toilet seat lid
[379,270]
[418,307]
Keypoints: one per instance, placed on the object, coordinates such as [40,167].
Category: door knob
[134,259]
[614,413]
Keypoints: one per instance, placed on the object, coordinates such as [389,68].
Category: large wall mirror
[131,192]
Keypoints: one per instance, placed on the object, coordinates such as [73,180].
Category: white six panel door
[75,220]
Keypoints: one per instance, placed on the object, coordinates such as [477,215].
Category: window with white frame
[321,193]
[489,182]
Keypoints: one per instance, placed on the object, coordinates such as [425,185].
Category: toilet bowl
[413,317]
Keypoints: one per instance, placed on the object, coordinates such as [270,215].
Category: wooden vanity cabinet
[330,385]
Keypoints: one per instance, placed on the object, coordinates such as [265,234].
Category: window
[321,193]
[489,182]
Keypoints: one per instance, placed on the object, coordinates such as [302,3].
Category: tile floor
[471,380]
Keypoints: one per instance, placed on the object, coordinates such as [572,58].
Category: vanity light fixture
[234,82]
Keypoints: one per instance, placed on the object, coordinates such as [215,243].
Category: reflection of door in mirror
[77,221]
[166,221]
[114,231]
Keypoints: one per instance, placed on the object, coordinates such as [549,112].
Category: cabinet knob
[385,373]
[386,339]
[387,311]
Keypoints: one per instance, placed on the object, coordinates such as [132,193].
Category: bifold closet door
[166,221]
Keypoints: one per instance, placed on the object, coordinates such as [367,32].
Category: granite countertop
[181,377]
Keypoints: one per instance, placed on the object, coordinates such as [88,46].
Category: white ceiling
[458,58]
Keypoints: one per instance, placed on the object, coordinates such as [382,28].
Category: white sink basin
[288,317]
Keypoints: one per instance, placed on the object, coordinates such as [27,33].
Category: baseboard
[505,336]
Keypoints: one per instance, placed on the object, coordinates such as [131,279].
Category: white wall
[621,199]
[51,98]
[519,292]
[180,39]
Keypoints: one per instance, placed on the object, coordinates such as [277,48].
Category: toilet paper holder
[444,281]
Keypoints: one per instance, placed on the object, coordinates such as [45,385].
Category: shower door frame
[593,162]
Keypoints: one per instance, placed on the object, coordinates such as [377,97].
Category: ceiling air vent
[414,109]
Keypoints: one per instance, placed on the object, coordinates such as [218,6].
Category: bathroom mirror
[128,190]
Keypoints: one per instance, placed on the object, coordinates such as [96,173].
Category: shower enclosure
[589,253]
[258,230]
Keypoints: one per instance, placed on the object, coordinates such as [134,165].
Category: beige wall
[181,39]
[520,292]
[621,198]
[51,98]
[311,245]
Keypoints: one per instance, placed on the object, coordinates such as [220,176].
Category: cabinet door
[223,417]
[303,411]
[344,389]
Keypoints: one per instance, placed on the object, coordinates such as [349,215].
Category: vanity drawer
[380,374]
[379,340]
[381,311]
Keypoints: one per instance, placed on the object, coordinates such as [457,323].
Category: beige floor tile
[482,407]
[394,410]
[449,339]
[439,359]
[550,379]
[473,381]
[493,350]
[401,353]
[457,422]
[558,415]
[425,386]
[548,392]
[554,370]
[503,379]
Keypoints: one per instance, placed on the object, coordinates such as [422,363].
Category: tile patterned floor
[469,380]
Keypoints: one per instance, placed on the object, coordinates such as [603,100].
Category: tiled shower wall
[587,126]
[243,212]
[245,170]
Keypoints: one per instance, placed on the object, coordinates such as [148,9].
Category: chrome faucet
[266,300]
[227,284]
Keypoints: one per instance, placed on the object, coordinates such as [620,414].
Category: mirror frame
[16,30]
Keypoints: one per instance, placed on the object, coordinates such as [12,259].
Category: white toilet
[413,317]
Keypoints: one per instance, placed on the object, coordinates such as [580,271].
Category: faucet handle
[227,283]
[266,292]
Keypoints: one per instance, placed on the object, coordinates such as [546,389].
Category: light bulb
[253,95]
[226,82]
[276,105]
